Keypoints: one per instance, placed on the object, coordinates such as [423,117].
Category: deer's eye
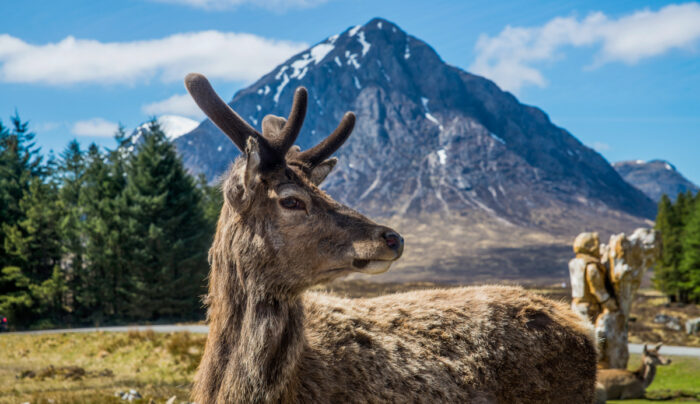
[292,203]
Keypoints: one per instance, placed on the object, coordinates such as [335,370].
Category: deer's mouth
[371,266]
[365,266]
[359,264]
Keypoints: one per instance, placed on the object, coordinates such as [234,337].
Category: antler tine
[237,129]
[285,139]
[329,145]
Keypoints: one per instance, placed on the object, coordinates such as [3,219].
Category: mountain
[437,149]
[655,178]
[173,126]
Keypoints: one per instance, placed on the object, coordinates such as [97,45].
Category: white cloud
[178,104]
[46,126]
[95,127]
[219,55]
[508,57]
[601,147]
[275,5]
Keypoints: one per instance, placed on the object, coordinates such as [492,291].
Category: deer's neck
[265,341]
[646,374]
[256,333]
[253,350]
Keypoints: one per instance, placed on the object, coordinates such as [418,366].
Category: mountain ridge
[464,103]
[655,178]
[433,144]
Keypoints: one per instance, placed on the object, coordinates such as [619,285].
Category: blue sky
[623,76]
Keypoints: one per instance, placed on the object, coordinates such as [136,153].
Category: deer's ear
[252,164]
[658,346]
[321,171]
[645,348]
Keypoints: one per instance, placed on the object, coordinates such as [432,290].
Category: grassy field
[91,367]
[677,382]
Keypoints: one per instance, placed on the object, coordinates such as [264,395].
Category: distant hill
[438,149]
[173,126]
[655,178]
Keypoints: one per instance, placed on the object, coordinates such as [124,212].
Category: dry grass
[90,367]
[675,383]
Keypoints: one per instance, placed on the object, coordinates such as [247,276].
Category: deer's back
[493,343]
[620,383]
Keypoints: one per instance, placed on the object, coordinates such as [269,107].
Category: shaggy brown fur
[624,384]
[270,341]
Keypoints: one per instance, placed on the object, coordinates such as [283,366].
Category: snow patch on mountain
[500,140]
[428,115]
[352,59]
[365,45]
[285,80]
[442,156]
[175,126]
[320,51]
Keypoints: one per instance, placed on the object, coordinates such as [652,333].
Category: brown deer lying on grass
[624,384]
[278,234]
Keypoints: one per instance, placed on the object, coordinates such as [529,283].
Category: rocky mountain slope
[655,178]
[434,144]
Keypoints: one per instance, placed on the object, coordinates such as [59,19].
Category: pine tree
[70,176]
[167,231]
[106,234]
[19,163]
[666,271]
[212,200]
[15,296]
[690,261]
[30,284]
[34,245]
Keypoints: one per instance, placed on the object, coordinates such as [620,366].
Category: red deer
[622,384]
[270,340]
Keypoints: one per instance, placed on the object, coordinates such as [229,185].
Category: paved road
[193,328]
[202,329]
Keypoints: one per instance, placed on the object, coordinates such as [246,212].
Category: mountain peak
[360,56]
[655,178]
[429,139]
[656,164]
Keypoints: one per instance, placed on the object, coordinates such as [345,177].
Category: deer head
[651,357]
[276,226]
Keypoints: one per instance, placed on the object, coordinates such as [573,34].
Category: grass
[162,365]
[91,367]
[678,382]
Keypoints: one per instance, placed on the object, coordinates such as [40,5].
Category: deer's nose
[394,241]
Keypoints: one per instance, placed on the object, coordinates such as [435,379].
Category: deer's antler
[273,144]
[286,137]
[237,129]
[317,154]
[278,135]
